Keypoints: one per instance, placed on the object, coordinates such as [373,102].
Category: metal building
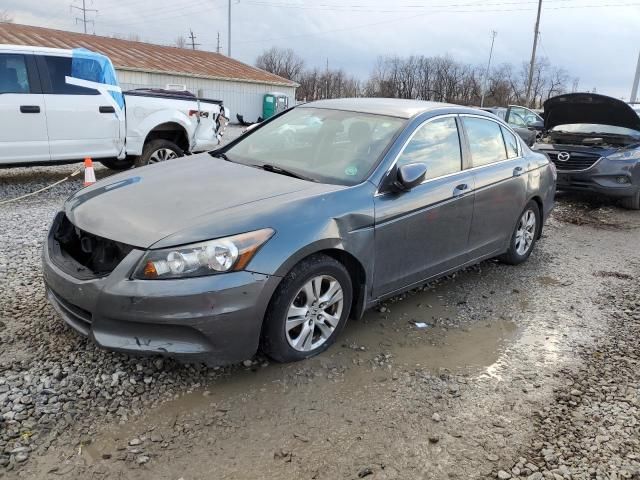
[142,65]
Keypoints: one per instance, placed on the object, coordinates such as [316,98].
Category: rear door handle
[108,109]
[518,171]
[29,108]
[460,189]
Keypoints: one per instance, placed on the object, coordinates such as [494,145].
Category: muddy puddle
[403,337]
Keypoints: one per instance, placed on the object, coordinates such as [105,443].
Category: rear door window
[13,74]
[61,67]
[485,141]
[437,144]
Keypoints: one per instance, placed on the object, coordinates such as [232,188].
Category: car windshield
[594,128]
[329,146]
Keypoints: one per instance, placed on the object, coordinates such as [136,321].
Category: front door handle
[518,171]
[29,109]
[107,109]
[460,189]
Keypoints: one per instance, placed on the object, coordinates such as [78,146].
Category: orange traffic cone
[89,174]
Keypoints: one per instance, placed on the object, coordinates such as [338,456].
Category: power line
[404,18]
[84,11]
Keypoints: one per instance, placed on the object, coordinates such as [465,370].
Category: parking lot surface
[525,372]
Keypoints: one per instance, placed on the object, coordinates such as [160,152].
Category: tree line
[436,78]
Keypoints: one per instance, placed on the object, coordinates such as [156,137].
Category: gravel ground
[527,371]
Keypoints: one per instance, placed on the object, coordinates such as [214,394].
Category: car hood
[589,108]
[175,199]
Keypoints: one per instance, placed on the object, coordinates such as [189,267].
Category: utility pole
[486,76]
[229,32]
[84,11]
[193,40]
[636,81]
[218,44]
[327,80]
[536,33]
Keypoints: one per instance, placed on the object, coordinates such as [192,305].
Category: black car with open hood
[594,141]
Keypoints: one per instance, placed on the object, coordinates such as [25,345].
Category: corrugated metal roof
[144,57]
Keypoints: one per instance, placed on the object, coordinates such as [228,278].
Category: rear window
[13,74]
[60,67]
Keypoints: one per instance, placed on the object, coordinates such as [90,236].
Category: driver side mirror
[536,125]
[410,176]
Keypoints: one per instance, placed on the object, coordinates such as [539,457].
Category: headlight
[204,258]
[629,154]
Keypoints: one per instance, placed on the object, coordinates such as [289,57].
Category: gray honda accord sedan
[277,238]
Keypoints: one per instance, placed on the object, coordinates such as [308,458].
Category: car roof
[393,107]
[59,52]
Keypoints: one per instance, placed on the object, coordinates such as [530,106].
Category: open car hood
[589,108]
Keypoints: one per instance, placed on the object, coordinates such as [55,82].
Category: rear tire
[118,165]
[631,203]
[157,151]
[524,236]
[308,310]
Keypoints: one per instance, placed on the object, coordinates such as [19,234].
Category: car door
[499,172]
[424,232]
[23,122]
[81,122]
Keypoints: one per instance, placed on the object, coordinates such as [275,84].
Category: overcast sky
[597,41]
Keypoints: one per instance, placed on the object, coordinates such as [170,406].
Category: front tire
[157,151]
[631,203]
[524,236]
[118,165]
[308,310]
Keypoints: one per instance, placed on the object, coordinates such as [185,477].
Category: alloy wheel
[314,313]
[162,154]
[525,232]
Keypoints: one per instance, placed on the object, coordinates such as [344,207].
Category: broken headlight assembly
[203,258]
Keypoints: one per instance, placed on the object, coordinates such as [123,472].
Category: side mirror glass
[410,175]
[536,124]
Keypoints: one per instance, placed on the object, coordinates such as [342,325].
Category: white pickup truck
[61,106]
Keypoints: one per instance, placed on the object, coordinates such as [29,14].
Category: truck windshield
[329,146]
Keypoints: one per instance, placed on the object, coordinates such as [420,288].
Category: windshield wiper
[220,155]
[283,171]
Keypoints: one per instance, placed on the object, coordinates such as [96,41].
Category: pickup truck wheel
[115,164]
[631,203]
[158,151]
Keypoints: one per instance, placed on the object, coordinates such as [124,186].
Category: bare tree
[283,62]
[180,42]
[441,79]
[5,17]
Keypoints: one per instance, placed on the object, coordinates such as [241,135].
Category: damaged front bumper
[214,319]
